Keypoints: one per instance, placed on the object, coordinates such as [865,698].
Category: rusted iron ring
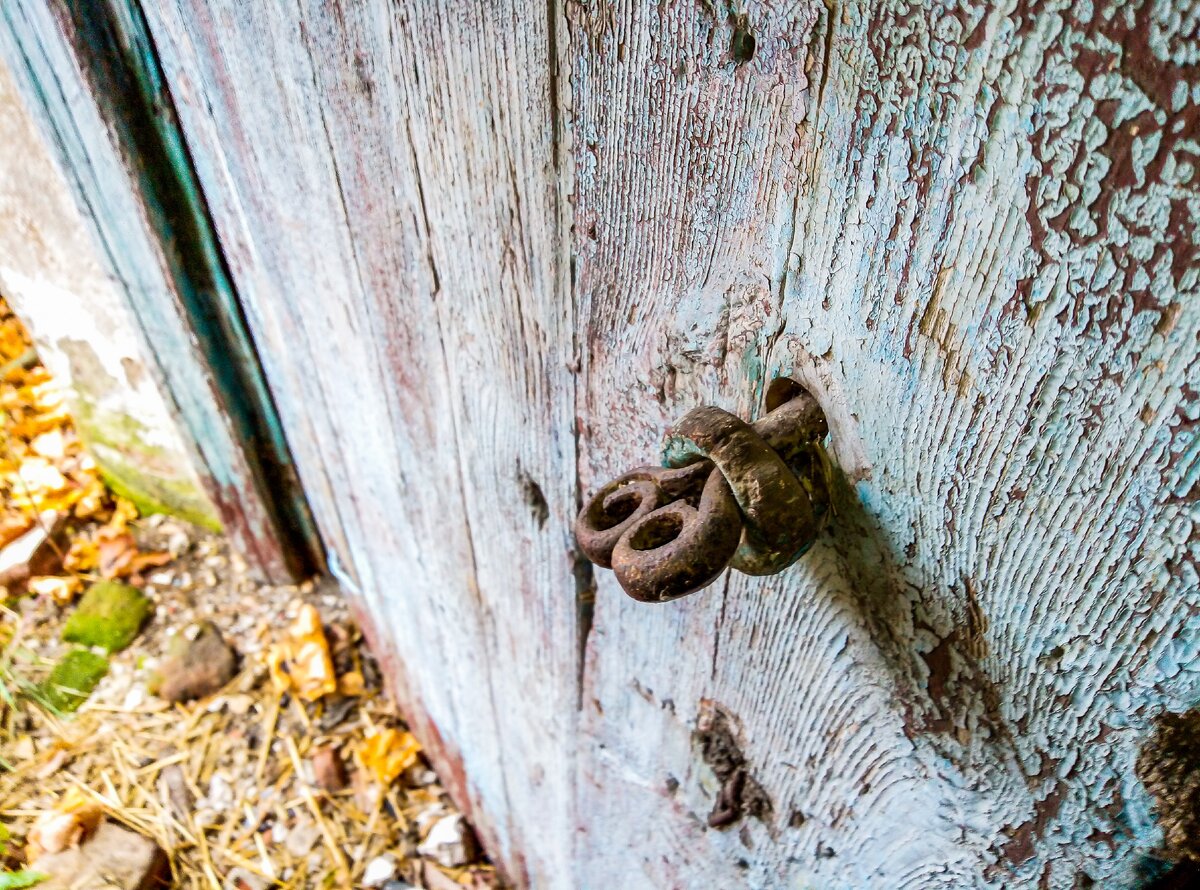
[749,496]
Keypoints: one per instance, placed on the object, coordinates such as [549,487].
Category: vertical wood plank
[383,180]
[972,228]
[91,80]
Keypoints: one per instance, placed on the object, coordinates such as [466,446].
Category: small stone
[301,838]
[113,857]
[449,842]
[196,664]
[220,793]
[72,680]
[110,615]
[329,772]
[379,871]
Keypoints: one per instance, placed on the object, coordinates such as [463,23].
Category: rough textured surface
[54,276]
[490,252]
[109,615]
[114,858]
[972,227]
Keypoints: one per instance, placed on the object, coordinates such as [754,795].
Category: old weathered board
[383,181]
[488,251]
[88,78]
[973,228]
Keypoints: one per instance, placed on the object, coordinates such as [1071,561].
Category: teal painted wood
[130,169]
[383,181]
[488,254]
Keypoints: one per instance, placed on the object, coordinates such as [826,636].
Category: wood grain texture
[466,234]
[383,181]
[55,67]
[973,228]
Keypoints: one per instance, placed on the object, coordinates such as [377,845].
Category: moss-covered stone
[73,679]
[109,616]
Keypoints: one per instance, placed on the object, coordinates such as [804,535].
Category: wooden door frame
[152,223]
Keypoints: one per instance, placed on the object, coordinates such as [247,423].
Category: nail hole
[741,44]
[535,499]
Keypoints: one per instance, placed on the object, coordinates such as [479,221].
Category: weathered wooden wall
[973,225]
[489,250]
[383,179]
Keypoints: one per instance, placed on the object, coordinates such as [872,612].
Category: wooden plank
[973,231]
[89,76]
[383,181]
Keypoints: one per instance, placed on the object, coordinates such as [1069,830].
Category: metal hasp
[750,496]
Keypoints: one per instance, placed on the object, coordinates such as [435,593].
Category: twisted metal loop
[748,496]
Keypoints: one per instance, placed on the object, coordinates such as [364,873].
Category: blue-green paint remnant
[109,616]
[112,44]
[73,679]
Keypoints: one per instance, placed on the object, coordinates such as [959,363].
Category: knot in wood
[752,497]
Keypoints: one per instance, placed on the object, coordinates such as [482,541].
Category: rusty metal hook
[752,497]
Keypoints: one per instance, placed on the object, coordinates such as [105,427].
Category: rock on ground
[199,662]
[114,858]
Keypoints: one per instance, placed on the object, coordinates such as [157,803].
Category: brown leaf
[115,555]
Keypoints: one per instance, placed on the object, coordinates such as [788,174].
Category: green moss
[154,494]
[109,616]
[73,679]
[155,479]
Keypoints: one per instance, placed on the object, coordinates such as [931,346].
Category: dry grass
[225,784]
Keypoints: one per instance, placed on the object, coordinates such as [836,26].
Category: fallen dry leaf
[115,555]
[386,753]
[62,589]
[50,445]
[301,662]
[82,556]
[351,683]
[74,818]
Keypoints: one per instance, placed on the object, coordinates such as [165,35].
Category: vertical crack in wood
[585,582]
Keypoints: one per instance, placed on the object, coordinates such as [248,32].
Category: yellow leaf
[302,662]
[386,753]
[124,513]
[351,683]
[83,556]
